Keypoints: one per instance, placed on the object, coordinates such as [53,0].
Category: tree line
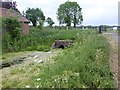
[68,13]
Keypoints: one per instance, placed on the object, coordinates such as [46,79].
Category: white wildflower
[27,86]
[37,86]
[53,86]
[76,74]
[30,68]
[55,80]
[38,79]
[83,86]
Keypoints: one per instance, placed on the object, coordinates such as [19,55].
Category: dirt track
[113,39]
[35,57]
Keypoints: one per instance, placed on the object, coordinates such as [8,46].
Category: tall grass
[85,65]
[37,39]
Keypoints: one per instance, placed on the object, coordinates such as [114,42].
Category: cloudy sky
[95,12]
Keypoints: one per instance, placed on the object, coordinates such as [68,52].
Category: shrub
[12,26]
[16,33]
[40,40]
[11,33]
[10,23]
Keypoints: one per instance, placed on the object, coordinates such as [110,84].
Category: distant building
[9,10]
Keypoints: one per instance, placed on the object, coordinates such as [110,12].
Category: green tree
[68,13]
[49,21]
[41,22]
[34,14]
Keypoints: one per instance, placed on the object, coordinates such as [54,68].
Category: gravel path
[29,57]
[114,36]
[113,39]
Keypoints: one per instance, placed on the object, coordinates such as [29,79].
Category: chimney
[7,4]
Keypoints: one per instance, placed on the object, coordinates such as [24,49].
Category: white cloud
[95,12]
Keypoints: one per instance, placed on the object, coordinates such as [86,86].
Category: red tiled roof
[13,13]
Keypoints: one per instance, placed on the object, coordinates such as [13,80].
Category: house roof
[13,13]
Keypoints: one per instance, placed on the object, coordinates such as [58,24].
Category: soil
[28,57]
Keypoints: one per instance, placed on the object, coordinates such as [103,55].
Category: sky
[95,12]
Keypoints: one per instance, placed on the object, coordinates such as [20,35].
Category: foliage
[12,26]
[40,40]
[69,12]
[49,21]
[10,23]
[41,22]
[34,14]
[83,65]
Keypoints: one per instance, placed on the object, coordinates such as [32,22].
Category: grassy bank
[40,40]
[83,65]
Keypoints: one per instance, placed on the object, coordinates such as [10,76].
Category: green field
[84,65]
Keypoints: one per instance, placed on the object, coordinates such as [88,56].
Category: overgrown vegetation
[84,65]
[11,33]
[37,39]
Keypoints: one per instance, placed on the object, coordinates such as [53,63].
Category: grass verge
[84,65]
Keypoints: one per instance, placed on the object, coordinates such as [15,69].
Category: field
[85,64]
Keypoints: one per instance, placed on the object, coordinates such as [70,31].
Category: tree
[34,14]
[69,12]
[41,22]
[49,21]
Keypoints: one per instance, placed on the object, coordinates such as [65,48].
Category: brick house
[9,11]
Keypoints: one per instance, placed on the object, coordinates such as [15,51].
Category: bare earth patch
[34,62]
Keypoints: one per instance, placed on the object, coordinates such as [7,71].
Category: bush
[16,33]
[40,40]
[11,34]
[10,23]
[7,43]
[12,26]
